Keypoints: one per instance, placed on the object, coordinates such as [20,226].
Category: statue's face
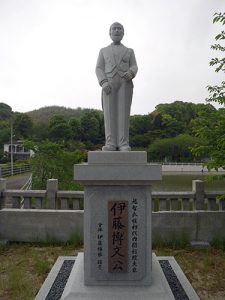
[116,32]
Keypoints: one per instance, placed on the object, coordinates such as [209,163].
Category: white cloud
[49,49]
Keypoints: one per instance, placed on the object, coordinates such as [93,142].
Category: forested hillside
[43,114]
[167,133]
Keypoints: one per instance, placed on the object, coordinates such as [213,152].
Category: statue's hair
[117,24]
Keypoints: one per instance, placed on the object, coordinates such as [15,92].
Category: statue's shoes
[125,148]
[108,148]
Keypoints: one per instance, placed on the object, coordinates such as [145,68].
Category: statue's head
[116,32]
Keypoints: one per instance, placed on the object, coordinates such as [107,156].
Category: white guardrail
[6,171]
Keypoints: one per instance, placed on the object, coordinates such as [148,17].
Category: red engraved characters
[117,236]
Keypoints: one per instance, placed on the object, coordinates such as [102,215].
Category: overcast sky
[49,49]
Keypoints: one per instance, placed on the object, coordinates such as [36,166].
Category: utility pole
[11,149]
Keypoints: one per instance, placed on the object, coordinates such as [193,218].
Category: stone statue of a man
[116,67]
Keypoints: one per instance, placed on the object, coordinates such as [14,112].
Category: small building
[19,151]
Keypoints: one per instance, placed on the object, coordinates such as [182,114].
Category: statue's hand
[127,76]
[106,88]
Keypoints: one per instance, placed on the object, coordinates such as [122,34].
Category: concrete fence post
[38,202]
[198,189]
[2,189]
[52,188]
[64,203]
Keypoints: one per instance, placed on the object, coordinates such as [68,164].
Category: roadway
[17,182]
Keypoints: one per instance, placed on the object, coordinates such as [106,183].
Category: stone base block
[168,286]
[117,157]
[138,235]
[75,288]
[158,290]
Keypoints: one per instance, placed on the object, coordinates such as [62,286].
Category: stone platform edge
[117,157]
[45,288]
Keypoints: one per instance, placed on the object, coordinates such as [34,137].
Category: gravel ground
[174,283]
[59,284]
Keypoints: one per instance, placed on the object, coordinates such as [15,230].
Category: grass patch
[24,267]
[205,269]
[173,241]
[75,240]
[218,243]
[41,267]
[21,283]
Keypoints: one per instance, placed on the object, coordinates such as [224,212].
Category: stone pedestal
[117,263]
[76,289]
[117,217]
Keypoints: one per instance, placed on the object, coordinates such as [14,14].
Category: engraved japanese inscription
[134,245]
[118,236]
[100,246]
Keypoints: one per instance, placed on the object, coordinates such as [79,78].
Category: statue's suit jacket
[107,66]
[111,67]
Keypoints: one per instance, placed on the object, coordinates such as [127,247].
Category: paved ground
[16,182]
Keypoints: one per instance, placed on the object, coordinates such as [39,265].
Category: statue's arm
[100,69]
[131,73]
[133,64]
[100,72]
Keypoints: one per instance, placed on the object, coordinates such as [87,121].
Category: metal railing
[28,184]
[6,171]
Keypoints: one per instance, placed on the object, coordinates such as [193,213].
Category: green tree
[217,92]
[140,124]
[40,131]
[52,160]
[59,129]
[156,120]
[180,111]
[171,126]
[76,131]
[4,132]
[90,128]
[177,149]
[4,137]
[176,117]
[211,127]
[22,125]
[5,111]
[141,130]
[168,120]
[141,140]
